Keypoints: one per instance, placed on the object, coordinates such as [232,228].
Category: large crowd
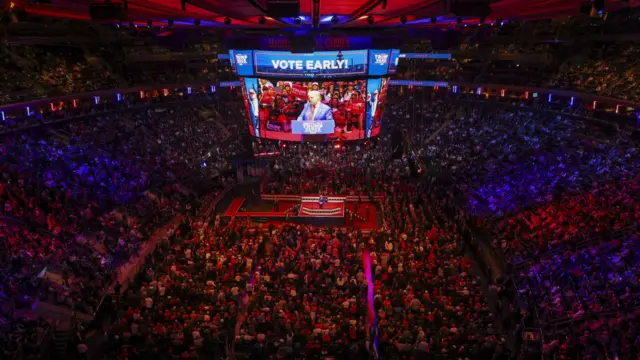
[40,71]
[499,219]
[558,202]
[544,187]
[609,69]
[296,290]
[78,202]
[603,67]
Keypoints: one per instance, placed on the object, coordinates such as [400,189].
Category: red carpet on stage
[234,207]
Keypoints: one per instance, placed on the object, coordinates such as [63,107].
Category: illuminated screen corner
[375,104]
[242,62]
[393,61]
[378,62]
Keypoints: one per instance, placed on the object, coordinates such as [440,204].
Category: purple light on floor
[366,261]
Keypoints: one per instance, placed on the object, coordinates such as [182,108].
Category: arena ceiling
[349,13]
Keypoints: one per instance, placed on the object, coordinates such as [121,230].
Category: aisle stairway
[62,336]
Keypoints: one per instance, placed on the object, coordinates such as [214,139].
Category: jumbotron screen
[285,109]
[338,95]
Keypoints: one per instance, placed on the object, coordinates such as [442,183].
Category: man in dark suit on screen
[315,109]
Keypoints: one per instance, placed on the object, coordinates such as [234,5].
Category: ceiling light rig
[370,20]
[227,21]
[297,20]
[262,20]
[403,19]
[334,20]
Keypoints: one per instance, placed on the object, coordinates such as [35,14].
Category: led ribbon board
[425,56]
[318,64]
[418,83]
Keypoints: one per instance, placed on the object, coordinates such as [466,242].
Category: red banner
[299,92]
[357,106]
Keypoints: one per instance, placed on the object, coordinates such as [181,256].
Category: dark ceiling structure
[321,14]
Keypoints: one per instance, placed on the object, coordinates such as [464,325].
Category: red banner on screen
[299,91]
[357,106]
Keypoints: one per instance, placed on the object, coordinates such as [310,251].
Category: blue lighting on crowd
[3,118]
[455,89]
[550,97]
[213,88]
[28,111]
[119,97]
[189,90]
[96,99]
[571,102]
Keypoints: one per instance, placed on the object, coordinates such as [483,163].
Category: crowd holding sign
[299,92]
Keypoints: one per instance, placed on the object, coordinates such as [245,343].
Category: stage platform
[328,210]
[339,211]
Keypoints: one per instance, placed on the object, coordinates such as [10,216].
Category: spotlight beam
[414,10]
[257,5]
[367,7]
[235,16]
[315,15]
[170,12]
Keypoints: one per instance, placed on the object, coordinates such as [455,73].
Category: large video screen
[289,110]
[376,97]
